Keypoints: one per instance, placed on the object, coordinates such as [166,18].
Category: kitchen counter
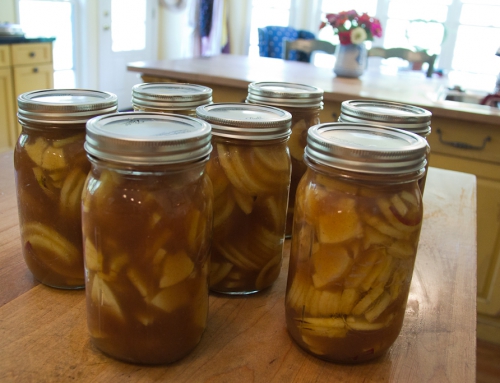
[43,334]
[231,74]
[25,40]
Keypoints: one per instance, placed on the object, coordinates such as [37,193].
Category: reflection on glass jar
[356,231]
[51,167]
[147,218]
[304,103]
[250,172]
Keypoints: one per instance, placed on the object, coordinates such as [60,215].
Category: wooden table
[43,335]
[229,76]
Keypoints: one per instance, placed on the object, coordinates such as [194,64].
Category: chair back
[405,54]
[306,46]
[271,41]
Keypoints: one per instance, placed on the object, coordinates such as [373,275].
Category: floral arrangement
[352,27]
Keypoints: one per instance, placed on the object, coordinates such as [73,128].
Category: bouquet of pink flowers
[352,27]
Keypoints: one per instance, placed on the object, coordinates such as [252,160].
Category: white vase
[351,60]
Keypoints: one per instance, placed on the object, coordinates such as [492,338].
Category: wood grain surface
[43,334]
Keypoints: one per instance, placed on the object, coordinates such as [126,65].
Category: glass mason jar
[304,103]
[355,236]
[51,167]
[147,218]
[390,114]
[165,97]
[250,173]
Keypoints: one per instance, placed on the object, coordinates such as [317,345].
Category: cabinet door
[488,227]
[4,56]
[488,247]
[33,77]
[8,132]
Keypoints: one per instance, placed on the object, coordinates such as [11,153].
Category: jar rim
[388,113]
[366,148]
[146,138]
[56,107]
[246,121]
[285,94]
[170,95]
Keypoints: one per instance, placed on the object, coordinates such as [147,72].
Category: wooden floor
[488,362]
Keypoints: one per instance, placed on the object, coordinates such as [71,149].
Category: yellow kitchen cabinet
[23,67]
[7,120]
[473,148]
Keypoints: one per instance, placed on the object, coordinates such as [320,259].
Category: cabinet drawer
[465,139]
[31,53]
[4,56]
[33,77]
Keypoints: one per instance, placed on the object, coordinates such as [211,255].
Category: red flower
[376,28]
[338,22]
[345,37]
[364,18]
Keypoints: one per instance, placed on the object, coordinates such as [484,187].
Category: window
[128,25]
[52,18]
[464,33]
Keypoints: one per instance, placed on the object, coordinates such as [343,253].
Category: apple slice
[373,313]
[104,298]
[217,176]
[298,140]
[331,264]
[71,192]
[36,150]
[363,265]
[171,298]
[219,271]
[244,201]
[176,268]
[359,324]
[93,258]
[269,273]
[349,299]
[276,160]
[339,224]
[53,159]
[367,301]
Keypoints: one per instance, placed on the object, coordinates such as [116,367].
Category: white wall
[87,45]
[8,11]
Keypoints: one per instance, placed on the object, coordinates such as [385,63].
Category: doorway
[127,33]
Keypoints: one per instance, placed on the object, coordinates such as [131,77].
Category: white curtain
[179,35]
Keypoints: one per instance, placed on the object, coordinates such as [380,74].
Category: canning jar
[390,114]
[165,97]
[356,230]
[250,172]
[51,167]
[147,217]
[304,103]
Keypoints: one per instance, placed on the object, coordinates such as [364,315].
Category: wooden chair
[306,46]
[405,54]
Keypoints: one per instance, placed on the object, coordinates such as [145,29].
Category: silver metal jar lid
[285,94]
[391,114]
[246,121]
[64,106]
[148,138]
[162,95]
[365,148]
